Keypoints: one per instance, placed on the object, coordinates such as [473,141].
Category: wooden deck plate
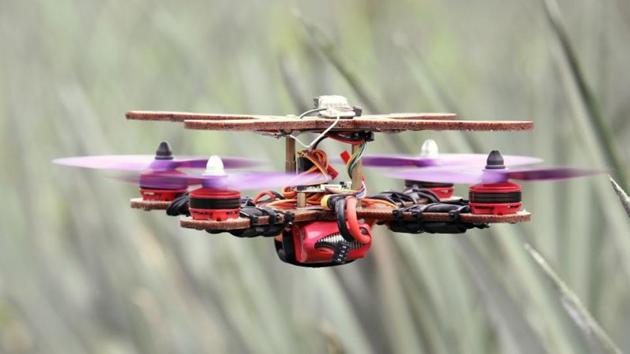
[139,203]
[304,215]
[182,116]
[393,122]
[365,213]
[357,124]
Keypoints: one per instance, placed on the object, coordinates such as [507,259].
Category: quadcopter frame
[288,126]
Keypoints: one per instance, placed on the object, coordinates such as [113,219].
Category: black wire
[340,212]
[321,138]
[396,198]
[337,135]
[179,206]
[418,193]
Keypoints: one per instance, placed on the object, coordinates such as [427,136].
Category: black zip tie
[253,219]
[247,202]
[288,218]
[179,206]
[269,212]
[455,215]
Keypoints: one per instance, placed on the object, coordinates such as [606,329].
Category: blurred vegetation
[82,273]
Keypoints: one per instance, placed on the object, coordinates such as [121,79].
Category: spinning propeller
[495,171]
[430,157]
[163,160]
[160,179]
[215,177]
[218,197]
[491,191]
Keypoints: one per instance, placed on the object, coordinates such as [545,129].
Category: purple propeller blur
[163,160]
[429,156]
[148,162]
[239,181]
[474,175]
[387,161]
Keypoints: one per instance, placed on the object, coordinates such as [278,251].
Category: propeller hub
[163,152]
[429,149]
[495,161]
[214,167]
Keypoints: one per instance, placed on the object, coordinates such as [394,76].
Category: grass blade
[574,306]
[623,196]
[326,47]
[291,81]
[590,105]
[434,91]
[516,333]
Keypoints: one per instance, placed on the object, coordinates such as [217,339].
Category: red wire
[353,222]
[268,194]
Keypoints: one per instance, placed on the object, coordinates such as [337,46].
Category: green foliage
[81,272]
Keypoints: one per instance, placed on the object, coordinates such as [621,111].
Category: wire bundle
[288,198]
[320,164]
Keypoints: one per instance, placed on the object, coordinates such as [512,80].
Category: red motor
[441,190]
[168,189]
[495,198]
[165,193]
[213,204]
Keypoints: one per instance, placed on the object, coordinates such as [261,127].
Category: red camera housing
[314,242]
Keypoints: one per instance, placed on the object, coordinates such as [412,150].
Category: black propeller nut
[163,152]
[495,161]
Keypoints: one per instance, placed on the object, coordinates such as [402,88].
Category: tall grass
[81,272]
[623,196]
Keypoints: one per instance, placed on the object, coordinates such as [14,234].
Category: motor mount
[213,204]
[166,192]
[495,198]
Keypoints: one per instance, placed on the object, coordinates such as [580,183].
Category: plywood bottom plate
[138,203]
[379,214]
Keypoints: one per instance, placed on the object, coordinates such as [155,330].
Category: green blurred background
[80,272]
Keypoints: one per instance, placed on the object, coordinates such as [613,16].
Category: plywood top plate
[393,122]
[356,124]
[182,116]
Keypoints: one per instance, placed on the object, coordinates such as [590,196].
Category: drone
[313,220]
